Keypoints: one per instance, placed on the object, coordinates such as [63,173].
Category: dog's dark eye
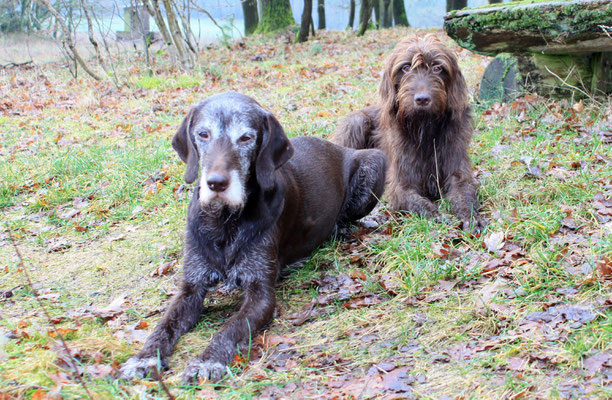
[204,134]
[406,68]
[436,69]
[245,139]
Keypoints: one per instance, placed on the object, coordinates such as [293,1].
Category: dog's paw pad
[137,367]
[199,369]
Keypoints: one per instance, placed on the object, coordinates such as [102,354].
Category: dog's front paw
[474,225]
[198,369]
[137,367]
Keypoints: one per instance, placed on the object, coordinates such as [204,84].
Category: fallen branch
[13,64]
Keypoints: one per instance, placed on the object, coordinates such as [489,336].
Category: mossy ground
[92,190]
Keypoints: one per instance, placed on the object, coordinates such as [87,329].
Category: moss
[552,19]
[275,15]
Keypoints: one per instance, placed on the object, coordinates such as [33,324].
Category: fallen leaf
[271,340]
[398,380]
[164,268]
[115,308]
[363,301]
[494,241]
[596,362]
[517,364]
[604,267]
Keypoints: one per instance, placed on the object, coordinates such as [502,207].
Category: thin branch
[157,375]
[90,32]
[13,64]
[44,309]
[564,82]
[67,39]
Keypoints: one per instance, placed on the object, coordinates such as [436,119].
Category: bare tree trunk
[351,20]
[155,11]
[275,15]
[67,40]
[399,13]
[177,36]
[188,36]
[376,6]
[251,19]
[364,16]
[321,13]
[90,33]
[386,20]
[455,5]
[306,20]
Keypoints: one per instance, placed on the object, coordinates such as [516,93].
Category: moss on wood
[520,27]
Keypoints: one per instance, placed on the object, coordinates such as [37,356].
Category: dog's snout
[422,99]
[217,182]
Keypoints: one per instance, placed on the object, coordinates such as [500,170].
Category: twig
[606,29]
[13,64]
[157,375]
[68,41]
[564,82]
[47,315]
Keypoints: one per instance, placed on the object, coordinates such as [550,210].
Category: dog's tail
[356,130]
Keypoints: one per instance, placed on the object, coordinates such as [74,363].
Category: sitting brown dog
[261,202]
[424,123]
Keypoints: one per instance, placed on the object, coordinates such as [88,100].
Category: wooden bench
[558,48]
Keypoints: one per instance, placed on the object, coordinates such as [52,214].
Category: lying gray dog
[261,202]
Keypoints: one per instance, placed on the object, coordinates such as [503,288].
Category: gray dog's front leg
[182,314]
[256,311]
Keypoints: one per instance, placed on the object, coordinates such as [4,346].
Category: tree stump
[561,47]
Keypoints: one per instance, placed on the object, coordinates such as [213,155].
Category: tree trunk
[155,12]
[455,5]
[251,19]
[376,5]
[275,15]
[351,20]
[386,20]
[177,36]
[321,13]
[364,16]
[306,20]
[399,13]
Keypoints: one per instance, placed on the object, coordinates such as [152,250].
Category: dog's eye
[406,68]
[204,134]
[436,69]
[245,139]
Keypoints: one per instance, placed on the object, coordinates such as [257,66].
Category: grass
[91,188]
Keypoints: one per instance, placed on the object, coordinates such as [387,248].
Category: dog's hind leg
[356,130]
[366,185]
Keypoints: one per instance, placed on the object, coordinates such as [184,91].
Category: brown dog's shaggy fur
[424,123]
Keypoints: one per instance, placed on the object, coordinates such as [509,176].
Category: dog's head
[231,139]
[422,78]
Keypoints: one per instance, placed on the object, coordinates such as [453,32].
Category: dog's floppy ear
[387,91]
[457,100]
[182,143]
[274,151]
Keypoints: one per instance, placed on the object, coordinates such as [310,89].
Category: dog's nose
[422,99]
[217,182]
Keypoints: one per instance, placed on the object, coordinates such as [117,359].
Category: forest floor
[405,308]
